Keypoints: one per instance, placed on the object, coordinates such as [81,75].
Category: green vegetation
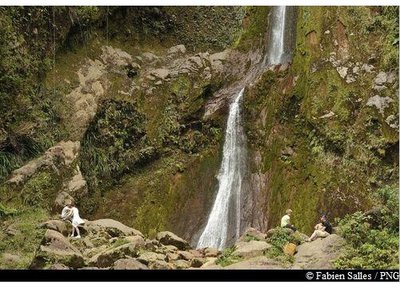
[254,27]
[278,240]
[373,238]
[38,190]
[6,211]
[20,237]
[227,257]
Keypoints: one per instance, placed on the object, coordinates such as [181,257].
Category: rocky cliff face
[324,131]
[129,119]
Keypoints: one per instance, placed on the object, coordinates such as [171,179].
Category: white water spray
[225,214]
[276,50]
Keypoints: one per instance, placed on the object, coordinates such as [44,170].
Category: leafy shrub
[372,246]
[278,240]
[114,143]
[227,257]
[5,211]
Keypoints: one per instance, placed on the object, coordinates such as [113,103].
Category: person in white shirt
[285,221]
[71,213]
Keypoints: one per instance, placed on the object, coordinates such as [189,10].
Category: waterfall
[224,222]
[276,51]
[224,219]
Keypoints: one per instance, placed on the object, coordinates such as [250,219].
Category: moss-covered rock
[340,149]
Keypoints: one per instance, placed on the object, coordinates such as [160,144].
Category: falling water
[224,219]
[276,52]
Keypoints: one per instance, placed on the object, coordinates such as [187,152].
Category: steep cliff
[324,131]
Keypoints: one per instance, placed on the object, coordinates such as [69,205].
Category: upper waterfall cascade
[276,51]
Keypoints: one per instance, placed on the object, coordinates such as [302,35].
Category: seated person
[285,221]
[322,229]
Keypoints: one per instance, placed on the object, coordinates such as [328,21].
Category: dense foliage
[278,240]
[373,237]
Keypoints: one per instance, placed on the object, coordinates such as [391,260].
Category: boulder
[137,240]
[62,198]
[381,78]
[169,238]
[160,73]
[181,264]
[196,253]
[58,266]
[108,257]
[252,233]
[342,71]
[55,248]
[113,228]
[172,256]
[319,253]
[57,225]
[149,257]
[391,77]
[115,57]
[160,265]
[178,49]
[289,249]
[169,248]
[250,249]
[77,186]
[185,255]
[128,264]
[368,68]
[210,263]
[381,103]
[198,262]
[149,57]
[211,252]
[260,262]
[220,56]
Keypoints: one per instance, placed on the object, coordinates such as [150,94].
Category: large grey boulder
[113,228]
[128,264]
[55,248]
[319,253]
[169,238]
[150,257]
[108,257]
[253,234]
[181,264]
[185,255]
[260,262]
[57,225]
[251,249]
[161,265]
